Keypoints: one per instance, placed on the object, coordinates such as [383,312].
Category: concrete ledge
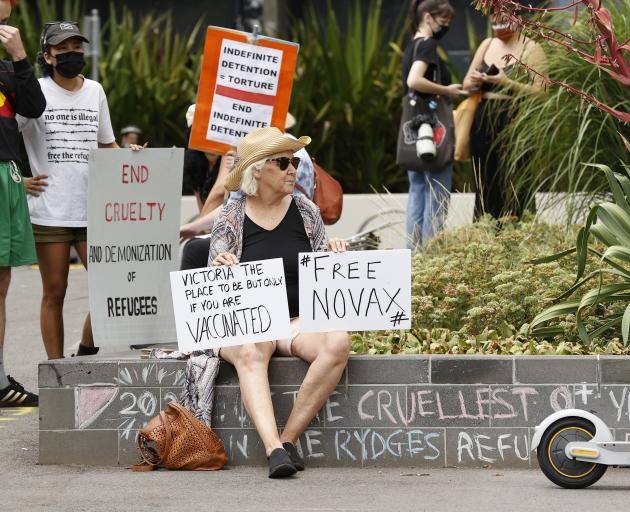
[421,411]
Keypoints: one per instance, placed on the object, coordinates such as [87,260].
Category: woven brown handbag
[175,439]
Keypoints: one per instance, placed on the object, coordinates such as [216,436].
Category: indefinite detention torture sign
[221,306]
[133,224]
[244,86]
[355,291]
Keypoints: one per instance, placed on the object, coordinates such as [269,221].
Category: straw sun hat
[257,146]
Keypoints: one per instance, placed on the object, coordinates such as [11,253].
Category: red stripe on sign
[250,97]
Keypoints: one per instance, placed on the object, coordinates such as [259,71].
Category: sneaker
[14,395]
[280,465]
[297,461]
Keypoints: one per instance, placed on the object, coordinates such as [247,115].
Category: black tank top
[285,241]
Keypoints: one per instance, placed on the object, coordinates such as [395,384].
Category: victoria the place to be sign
[133,224]
[220,306]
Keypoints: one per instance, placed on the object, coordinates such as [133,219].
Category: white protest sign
[133,226]
[355,291]
[244,85]
[221,306]
[247,84]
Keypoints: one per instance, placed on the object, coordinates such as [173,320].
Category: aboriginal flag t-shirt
[58,144]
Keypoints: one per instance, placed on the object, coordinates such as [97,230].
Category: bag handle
[143,447]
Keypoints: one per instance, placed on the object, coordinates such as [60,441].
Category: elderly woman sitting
[271,222]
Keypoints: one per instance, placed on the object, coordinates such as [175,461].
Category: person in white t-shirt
[58,143]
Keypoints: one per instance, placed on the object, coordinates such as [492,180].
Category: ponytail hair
[419,8]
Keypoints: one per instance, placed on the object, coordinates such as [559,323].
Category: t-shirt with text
[58,144]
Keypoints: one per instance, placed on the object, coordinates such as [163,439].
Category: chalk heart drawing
[91,402]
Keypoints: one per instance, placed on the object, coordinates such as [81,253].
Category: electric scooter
[575,447]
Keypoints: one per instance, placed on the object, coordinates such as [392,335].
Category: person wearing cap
[130,135]
[269,221]
[20,93]
[58,144]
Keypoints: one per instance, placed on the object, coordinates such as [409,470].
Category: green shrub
[473,290]
[347,96]
[148,70]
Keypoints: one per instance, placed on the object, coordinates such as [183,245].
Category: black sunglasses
[284,161]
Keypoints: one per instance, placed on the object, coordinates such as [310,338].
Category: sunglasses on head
[284,161]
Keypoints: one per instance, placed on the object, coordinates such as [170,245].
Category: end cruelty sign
[133,217]
[243,87]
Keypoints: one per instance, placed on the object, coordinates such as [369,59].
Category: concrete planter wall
[422,411]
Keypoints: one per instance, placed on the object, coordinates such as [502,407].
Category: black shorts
[195,254]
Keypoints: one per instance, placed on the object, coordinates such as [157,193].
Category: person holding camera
[20,93]
[489,74]
[424,72]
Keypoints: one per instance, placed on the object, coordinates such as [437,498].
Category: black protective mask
[440,32]
[70,64]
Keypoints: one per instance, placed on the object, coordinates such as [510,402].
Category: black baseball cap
[58,31]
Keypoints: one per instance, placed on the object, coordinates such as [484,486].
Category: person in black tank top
[269,222]
[285,241]
[489,74]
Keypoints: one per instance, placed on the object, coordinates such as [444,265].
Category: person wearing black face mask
[424,72]
[58,143]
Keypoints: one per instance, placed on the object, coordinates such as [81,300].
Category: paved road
[26,486]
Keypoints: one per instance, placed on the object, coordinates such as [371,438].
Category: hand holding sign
[226,305]
[355,291]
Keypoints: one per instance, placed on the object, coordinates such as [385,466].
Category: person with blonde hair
[271,221]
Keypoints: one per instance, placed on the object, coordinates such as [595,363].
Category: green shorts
[53,234]
[17,246]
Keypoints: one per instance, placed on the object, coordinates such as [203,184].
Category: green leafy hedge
[474,290]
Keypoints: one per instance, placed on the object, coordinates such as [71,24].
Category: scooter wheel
[554,463]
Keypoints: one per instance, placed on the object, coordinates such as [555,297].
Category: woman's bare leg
[252,362]
[87,339]
[328,355]
[53,261]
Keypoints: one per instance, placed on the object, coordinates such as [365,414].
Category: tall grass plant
[552,137]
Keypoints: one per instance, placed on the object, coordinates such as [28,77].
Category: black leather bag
[413,106]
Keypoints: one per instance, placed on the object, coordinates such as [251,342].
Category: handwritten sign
[133,220]
[222,306]
[243,87]
[358,291]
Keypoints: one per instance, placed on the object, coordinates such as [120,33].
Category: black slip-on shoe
[280,465]
[297,461]
[14,395]
[84,350]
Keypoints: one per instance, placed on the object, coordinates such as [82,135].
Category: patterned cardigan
[227,233]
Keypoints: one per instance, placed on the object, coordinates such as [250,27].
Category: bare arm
[195,227]
[217,193]
[417,81]
[472,79]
